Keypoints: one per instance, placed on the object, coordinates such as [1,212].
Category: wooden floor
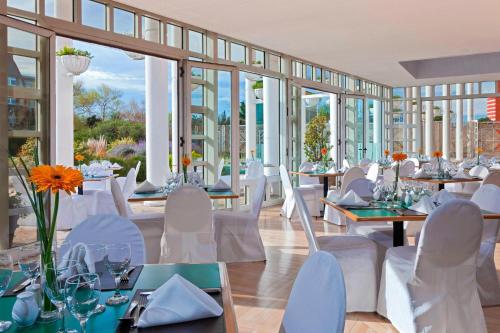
[260,290]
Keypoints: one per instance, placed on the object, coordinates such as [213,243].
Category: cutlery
[207,290]
[126,276]
[21,286]
[131,309]
[143,301]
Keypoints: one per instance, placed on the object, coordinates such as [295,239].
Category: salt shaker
[25,310]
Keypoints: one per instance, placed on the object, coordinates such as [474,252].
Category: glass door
[354,129]
[211,116]
[25,81]
[295,150]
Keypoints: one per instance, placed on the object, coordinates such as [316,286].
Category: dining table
[324,176]
[442,181]
[380,212]
[212,276]
[162,195]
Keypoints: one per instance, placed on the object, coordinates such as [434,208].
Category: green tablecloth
[152,276]
[373,212]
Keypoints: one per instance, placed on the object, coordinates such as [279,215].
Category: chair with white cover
[345,164]
[331,214]
[373,171]
[312,182]
[479,171]
[492,178]
[317,302]
[109,229]
[356,255]
[130,183]
[310,196]
[407,169]
[138,168]
[220,168]
[150,224]
[432,287]
[487,197]
[415,162]
[188,235]
[237,233]
[72,211]
[365,164]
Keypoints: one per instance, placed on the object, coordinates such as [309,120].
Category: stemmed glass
[53,283]
[6,267]
[117,261]
[30,266]
[82,294]
[97,252]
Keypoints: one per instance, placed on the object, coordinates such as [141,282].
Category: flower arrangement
[479,151]
[42,181]
[252,152]
[398,158]
[186,161]
[324,157]
[386,153]
[438,155]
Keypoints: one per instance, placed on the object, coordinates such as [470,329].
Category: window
[221,48]
[27,5]
[488,87]
[94,14]
[174,35]
[327,77]
[309,72]
[258,58]
[195,41]
[317,74]
[299,69]
[150,29]
[274,63]
[64,9]
[238,53]
[124,22]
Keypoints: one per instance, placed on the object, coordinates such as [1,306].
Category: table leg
[325,187]
[398,234]
[440,186]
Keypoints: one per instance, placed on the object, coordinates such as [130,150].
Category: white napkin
[461,174]
[177,301]
[421,174]
[82,255]
[352,199]
[442,197]
[495,167]
[116,165]
[332,170]
[221,185]
[424,205]
[145,187]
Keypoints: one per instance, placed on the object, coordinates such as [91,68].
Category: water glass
[117,261]
[97,252]
[30,266]
[6,268]
[82,293]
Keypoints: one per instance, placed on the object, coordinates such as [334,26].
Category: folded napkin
[332,170]
[442,197]
[177,301]
[461,174]
[495,167]
[424,205]
[145,187]
[81,254]
[221,185]
[116,165]
[421,174]
[352,199]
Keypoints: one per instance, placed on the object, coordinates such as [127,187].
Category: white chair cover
[345,164]
[365,164]
[317,302]
[479,171]
[220,168]
[356,255]
[331,214]
[72,211]
[362,186]
[432,287]
[130,183]
[255,169]
[309,194]
[237,233]
[99,202]
[488,198]
[109,229]
[188,236]
[373,171]
[121,204]
[492,178]
[415,161]
[407,169]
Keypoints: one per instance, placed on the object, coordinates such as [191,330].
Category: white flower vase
[75,64]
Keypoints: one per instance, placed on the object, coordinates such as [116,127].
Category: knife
[21,286]
[133,305]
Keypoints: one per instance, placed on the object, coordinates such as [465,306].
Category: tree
[317,136]
[108,100]
[242,113]
[83,99]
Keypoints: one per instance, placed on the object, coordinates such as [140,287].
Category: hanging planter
[75,61]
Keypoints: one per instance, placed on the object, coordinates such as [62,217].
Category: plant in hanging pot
[75,61]
[42,182]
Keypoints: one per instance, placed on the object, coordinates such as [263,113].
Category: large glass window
[195,41]
[124,22]
[174,35]
[238,53]
[94,14]
[151,29]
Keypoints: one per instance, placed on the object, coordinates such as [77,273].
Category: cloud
[94,77]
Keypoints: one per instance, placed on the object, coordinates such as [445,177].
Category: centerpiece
[186,161]
[439,157]
[317,141]
[325,159]
[398,158]
[479,151]
[44,182]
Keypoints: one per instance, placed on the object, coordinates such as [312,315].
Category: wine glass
[97,252]
[117,261]
[81,293]
[6,268]
[53,283]
[30,266]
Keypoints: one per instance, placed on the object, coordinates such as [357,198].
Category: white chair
[312,182]
[72,211]
[130,183]
[138,168]
[373,171]
[188,235]
[310,195]
[365,164]
[220,168]
[415,162]
[477,171]
[317,302]
[109,229]
[237,233]
[331,214]
[492,178]
[407,169]
[432,287]
[488,198]
[356,255]
[345,164]
[150,224]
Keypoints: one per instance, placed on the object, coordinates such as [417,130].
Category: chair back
[349,176]
[109,229]
[415,161]
[138,168]
[220,168]
[345,164]
[120,202]
[306,221]
[130,182]
[487,197]
[362,187]
[479,171]
[317,302]
[365,164]
[451,235]
[492,178]
[188,234]
[258,197]
[373,171]
[286,182]
[255,169]
[407,169]
[303,180]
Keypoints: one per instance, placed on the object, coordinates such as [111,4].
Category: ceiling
[363,37]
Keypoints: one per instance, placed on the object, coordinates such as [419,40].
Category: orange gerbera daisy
[399,157]
[324,151]
[437,154]
[46,177]
[386,152]
[479,150]
[186,161]
[79,157]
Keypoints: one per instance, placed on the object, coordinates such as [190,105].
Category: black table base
[398,234]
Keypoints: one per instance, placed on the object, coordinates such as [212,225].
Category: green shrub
[113,130]
[317,136]
[128,163]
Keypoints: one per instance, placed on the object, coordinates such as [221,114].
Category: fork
[126,276]
[142,302]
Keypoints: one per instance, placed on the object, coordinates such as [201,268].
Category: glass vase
[48,311]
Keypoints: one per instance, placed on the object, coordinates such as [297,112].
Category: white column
[333,127]
[417,120]
[64,108]
[175,114]
[377,128]
[429,122]
[446,124]
[271,121]
[250,120]
[470,117]
[459,147]
[157,127]
[407,120]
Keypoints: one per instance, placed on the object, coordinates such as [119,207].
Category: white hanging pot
[134,55]
[258,93]
[75,64]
